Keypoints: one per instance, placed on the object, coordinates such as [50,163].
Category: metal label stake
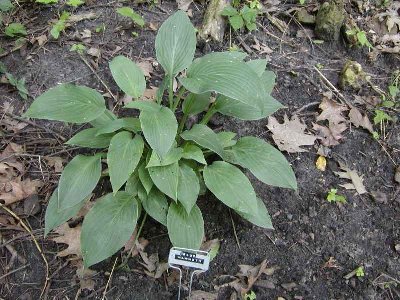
[196,260]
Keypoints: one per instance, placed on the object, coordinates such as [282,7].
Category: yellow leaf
[321,163]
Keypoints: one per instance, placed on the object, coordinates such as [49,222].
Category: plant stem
[171,93]
[178,98]
[182,123]
[211,111]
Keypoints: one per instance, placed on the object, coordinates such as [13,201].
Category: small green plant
[60,25]
[101,28]
[360,271]
[250,296]
[80,48]
[15,30]
[393,91]
[6,5]
[334,197]
[155,164]
[130,13]
[302,2]
[75,3]
[19,84]
[360,36]
[381,116]
[46,1]
[245,17]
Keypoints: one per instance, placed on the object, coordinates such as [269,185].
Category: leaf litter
[352,175]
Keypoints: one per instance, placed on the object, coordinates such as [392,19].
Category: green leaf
[229,11]
[205,137]
[166,179]
[227,138]
[128,76]
[173,155]
[261,218]
[159,128]
[185,231]
[188,187]
[195,103]
[176,43]
[108,226]
[123,156]
[89,138]
[46,1]
[132,184]
[59,26]
[130,13]
[268,164]
[230,186]
[236,22]
[145,178]
[105,118]
[144,105]
[234,108]
[78,180]
[193,152]
[68,103]
[15,29]
[6,5]
[258,66]
[54,217]
[131,124]
[75,3]
[156,205]
[221,73]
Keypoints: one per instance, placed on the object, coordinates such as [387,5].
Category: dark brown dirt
[308,229]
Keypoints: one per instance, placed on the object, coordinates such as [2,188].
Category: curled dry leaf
[70,236]
[356,180]
[184,4]
[359,120]
[18,189]
[328,137]
[55,162]
[289,135]
[147,66]
[84,276]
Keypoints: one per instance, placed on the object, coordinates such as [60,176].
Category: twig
[234,230]
[35,242]
[36,125]
[340,96]
[305,107]
[13,271]
[109,279]
[99,78]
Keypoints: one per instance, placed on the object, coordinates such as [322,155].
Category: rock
[304,17]
[329,20]
[379,197]
[352,75]
[289,286]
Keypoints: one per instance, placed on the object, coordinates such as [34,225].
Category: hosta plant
[156,166]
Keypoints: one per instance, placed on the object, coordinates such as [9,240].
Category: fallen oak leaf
[356,180]
[18,189]
[70,236]
[84,276]
[331,111]
[289,135]
[357,119]
[329,137]
[55,162]
[147,66]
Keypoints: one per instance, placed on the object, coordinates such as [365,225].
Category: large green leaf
[173,155]
[108,226]
[78,180]
[145,178]
[166,179]
[68,103]
[188,187]
[258,65]
[106,117]
[193,152]
[227,138]
[131,124]
[156,205]
[123,156]
[205,137]
[90,139]
[195,103]
[260,218]
[144,105]
[268,78]
[176,43]
[128,76]
[185,230]
[218,72]
[268,164]
[132,184]
[230,186]
[159,128]
[54,217]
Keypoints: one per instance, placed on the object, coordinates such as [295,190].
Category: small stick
[36,244]
[341,97]
[13,271]
[109,279]
[305,107]
[234,230]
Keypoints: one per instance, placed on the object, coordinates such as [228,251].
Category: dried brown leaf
[84,275]
[359,120]
[331,111]
[356,180]
[289,135]
[151,93]
[70,236]
[147,66]
[329,137]
[55,162]
[18,189]
[369,101]
[184,4]
[201,295]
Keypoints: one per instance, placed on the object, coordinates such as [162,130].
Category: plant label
[194,259]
